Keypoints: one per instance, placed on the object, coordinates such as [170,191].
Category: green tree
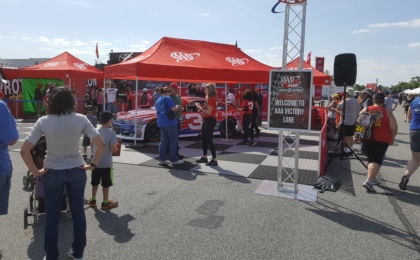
[359,87]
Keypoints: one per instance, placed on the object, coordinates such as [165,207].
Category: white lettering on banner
[80,66]
[182,56]
[11,88]
[92,83]
[196,121]
[237,61]
[52,64]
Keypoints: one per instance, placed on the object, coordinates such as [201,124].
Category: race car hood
[145,114]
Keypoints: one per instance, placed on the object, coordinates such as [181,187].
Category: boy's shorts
[5,183]
[86,141]
[103,176]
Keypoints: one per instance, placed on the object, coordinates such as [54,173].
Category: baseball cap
[173,85]
[145,89]
[350,91]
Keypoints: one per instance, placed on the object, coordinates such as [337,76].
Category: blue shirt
[161,109]
[8,134]
[415,111]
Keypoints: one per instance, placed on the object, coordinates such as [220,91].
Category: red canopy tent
[319,78]
[63,66]
[172,59]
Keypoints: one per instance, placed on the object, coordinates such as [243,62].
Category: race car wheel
[231,127]
[152,133]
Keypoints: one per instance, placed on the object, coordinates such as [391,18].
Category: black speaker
[345,69]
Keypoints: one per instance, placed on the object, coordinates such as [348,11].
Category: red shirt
[381,131]
[247,106]
[211,102]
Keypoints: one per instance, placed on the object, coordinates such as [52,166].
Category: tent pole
[226,112]
[103,96]
[135,116]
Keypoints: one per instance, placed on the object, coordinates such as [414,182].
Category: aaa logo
[237,61]
[182,56]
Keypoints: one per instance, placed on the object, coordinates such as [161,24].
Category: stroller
[35,185]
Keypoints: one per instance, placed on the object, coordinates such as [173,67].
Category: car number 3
[194,121]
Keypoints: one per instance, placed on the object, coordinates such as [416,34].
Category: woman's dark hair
[61,101]
[104,117]
[248,95]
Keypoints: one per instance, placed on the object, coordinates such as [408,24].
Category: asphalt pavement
[174,214]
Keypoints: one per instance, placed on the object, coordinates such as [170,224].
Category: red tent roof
[172,59]
[319,78]
[62,66]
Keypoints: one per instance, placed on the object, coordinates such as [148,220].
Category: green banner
[28,93]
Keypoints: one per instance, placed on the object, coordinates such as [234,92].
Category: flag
[308,60]
[97,51]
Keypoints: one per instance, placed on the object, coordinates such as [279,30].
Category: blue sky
[384,35]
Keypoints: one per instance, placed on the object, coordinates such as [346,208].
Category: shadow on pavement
[410,196]
[185,175]
[357,221]
[35,249]
[115,225]
[341,169]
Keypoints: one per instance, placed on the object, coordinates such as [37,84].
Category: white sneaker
[70,255]
[178,162]
[166,162]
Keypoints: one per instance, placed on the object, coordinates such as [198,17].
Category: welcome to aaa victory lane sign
[290,100]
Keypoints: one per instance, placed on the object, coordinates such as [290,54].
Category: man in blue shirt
[8,136]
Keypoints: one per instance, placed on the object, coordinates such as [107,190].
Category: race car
[191,122]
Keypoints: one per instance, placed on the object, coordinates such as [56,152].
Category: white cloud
[412,23]
[360,31]
[205,14]
[414,45]
[146,42]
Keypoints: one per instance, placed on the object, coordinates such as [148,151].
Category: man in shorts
[349,123]
[8,137]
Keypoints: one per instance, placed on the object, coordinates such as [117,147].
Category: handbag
[170,114]
[364,123]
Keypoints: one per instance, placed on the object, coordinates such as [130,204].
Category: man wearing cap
[348,120]
[178,114]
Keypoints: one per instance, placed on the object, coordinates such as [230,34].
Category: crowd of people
[346,109]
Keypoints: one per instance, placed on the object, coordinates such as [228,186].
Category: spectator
[99,101]
[146,100]
[347,126]
[383,133]
[390,102]
[406,107]
[62,129]
[157,94]
[255,113]
[87,103]
[414,162]
[8,136]
[39,98]
[130,98]
[231,100]
[192,91]
[247,105]
[209,109]
[178,113]
[365,98]
[111,95]
[168,128]
[102,174]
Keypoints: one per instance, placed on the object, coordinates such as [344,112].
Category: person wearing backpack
[383,131]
